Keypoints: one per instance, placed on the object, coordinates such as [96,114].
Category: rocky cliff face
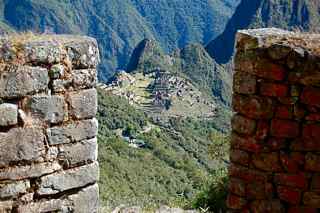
[48,145]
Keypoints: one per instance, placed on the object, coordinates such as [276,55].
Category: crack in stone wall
[275,142]
[48,129]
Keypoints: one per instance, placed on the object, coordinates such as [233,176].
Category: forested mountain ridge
[301,15]
[119,25]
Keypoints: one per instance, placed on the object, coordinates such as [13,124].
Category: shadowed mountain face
[119,25]
[221,49]
[287,14]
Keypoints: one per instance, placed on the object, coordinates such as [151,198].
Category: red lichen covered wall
[275,142]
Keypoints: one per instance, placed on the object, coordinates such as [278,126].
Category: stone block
[83,54]
[83,104]
[29,171]
[19,81]
[293,180]
[237,187]
[82,79]
[311,96]
[68,179]
[275,144]
[273,90]
[248,143]
[239,157]
[47,108]
[289,195]
[76,131]
[292,162]
[244,83]
[262,130]
[302,209]
[253,107]
[312,162]
[267,206]
[311,132]
[284,112]
[9,114]
[267,162]
[82,152]
[315,182]
[86,200]
[13,189]
[243,125]
[312,199]
[45,52]
[21,145]
[246,174]
[235,202]
[52,205]
[259,191]
[284,128]
[6,206]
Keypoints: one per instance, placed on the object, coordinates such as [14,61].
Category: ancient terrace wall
[275,147]
[48,147]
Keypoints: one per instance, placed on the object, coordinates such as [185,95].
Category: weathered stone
[245,143]
[21,145]
[262,130]
[294,180]
[292,162]
[53,205]
[82,152]
[86,200]
[311,96]
[240,157]
[243,125]
[76,131]
[284,112]
[246,174]
[267,162]
[19,81]
[279,51]
[253,107]
[301,144]
[84,78]
[84,53]
[259,191]
[267,206]
[48,108]
[302,209]
[273,89]
[312,162]
[311,199]
[290,195]
[315,183]
[69,179]
[56,71]
[61,85]
[83,104]
[28,171]
[311,132]
[299,112]
[237,187]
[46,52]
[275,144]
[9,114]
[244,83]
[284,128]
[13,189]
[235,202]
[6,206]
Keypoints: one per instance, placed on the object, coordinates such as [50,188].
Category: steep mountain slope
[288,14]
[185,84]
[119,25]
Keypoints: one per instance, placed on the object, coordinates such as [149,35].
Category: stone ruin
[275,143]
[48,104]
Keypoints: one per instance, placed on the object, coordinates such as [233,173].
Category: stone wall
[48,103]
[275,145]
